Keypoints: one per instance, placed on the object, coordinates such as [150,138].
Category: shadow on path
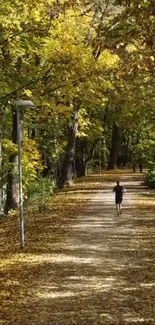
[100,269]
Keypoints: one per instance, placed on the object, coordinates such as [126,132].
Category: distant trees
[89,69]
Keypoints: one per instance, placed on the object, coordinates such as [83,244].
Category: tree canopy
[89,68]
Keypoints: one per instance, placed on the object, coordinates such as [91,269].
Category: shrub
[39,192]
[150,178]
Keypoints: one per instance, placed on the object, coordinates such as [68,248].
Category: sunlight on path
[106,277]
[104,270]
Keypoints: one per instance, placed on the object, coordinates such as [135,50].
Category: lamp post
[19,105]
[100,157]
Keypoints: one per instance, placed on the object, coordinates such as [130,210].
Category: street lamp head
[22,102]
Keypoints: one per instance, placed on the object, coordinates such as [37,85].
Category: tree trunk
[67,166]
[114,146]
[84,154]
[104,154]
[12,195]
[80,167]
[80,159]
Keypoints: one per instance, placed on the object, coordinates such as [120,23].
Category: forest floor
[82,264]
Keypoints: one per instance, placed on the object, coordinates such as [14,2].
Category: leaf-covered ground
[82,264]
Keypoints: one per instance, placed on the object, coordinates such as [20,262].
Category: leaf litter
[81,264]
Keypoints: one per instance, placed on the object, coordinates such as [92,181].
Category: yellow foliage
[131,48]
[9,147]
[108,60]
[31,159]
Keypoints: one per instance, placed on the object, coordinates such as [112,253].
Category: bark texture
[68,162]
[114,147]
[12,195]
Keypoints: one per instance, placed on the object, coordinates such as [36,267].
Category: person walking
[119,191]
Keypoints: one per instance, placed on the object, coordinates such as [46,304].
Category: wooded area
[88,66]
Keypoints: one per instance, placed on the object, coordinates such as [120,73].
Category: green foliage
[144,150]
[9,148]
[150,177]
[55,51]
[39,191]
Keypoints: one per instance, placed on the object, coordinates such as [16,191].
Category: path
[104,270]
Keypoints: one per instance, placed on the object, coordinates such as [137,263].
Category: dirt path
[102,271]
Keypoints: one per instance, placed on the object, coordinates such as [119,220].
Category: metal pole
[21,214]
[100,167]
